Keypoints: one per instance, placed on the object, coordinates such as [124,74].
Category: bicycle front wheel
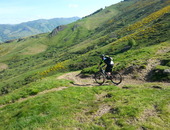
[116,78]
[99,78]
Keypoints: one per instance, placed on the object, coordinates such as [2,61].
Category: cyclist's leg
[109,70]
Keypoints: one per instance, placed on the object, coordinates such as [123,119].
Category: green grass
[79,107]
[33,89]
[98,19]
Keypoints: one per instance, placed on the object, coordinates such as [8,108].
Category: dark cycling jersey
[108,61]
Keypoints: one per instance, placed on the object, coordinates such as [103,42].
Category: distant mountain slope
[8,32]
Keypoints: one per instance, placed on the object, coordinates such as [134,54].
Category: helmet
[102,55]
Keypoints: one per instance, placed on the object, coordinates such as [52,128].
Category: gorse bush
[57,67]
[140,29]
[148,19]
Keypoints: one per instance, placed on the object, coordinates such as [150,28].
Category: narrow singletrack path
[89,81]
[78,80]
[40,93]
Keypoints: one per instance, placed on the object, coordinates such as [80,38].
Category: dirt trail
[89,81]
[77,80]
[43,92]
[40,93]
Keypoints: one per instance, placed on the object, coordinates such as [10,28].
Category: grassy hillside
[132,44]
[135,33]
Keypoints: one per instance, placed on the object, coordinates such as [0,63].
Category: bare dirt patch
[3,66]
[151,64]
[163,50]
[77,80]
[145,116]
[32,50]
[103,109]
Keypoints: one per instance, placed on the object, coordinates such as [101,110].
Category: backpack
[108,60]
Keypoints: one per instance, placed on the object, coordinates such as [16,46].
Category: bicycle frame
[102,70]
[101,76]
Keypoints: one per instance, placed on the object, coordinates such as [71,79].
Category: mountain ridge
[15,31]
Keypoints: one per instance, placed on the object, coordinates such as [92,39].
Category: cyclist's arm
[100,63]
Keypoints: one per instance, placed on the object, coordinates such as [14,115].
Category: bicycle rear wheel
[116,78]
[99,78]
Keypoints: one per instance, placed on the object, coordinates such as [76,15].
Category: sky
[18,11]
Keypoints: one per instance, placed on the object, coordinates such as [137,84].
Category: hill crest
[15,31]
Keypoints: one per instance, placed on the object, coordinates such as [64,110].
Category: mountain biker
[109,62]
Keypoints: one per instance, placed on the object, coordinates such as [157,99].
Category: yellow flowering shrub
[58,66]
[148,19]
[140,28]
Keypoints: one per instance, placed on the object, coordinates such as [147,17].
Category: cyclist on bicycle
[109,62]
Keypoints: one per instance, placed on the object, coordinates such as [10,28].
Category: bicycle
[101,76]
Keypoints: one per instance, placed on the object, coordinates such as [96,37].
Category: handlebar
[101,68]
